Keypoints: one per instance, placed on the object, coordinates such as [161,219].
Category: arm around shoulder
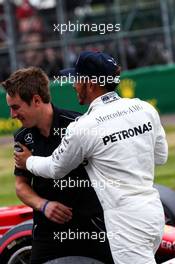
[66,157]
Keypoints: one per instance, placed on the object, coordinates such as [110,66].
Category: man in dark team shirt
[63,209]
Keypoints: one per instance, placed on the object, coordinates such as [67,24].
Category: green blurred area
[7,179]
[164,174]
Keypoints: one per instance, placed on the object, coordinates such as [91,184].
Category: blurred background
[144,47]
[27,35]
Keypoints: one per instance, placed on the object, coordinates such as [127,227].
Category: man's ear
[36,99]
[91,86]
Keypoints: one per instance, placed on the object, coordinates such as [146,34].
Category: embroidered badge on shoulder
[108,98]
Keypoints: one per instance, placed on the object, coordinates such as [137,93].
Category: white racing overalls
[122,140]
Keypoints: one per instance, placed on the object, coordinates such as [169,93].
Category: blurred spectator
[130,53]
[54,62]
[28,19]
[33,23]
[33,56]
[24,10]
[5,67]
[2,28]
[72,55]
[142,47]
[157,54]
[151,52]
[33,38]
[48,59]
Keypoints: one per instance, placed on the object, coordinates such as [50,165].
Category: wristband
[44,207]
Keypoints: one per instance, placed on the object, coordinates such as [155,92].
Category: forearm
[56,166]
[42,166]
[66,157]
[28,196]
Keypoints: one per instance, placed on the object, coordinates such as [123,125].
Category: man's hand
[21,157]
[58,212]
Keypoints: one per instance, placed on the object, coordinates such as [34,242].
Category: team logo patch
[108,98]
[113,61]
[28,138]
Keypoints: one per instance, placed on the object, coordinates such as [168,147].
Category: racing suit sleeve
[66,157]
[161,146]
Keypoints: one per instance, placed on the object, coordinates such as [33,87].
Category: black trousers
[84,239]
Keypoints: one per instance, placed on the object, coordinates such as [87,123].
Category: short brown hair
[26,83]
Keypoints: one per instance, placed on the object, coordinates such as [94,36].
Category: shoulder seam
[20,131]
[70,118]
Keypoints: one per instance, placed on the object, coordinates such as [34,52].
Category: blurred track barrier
[153,84]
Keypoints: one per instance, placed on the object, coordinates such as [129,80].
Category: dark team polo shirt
[82,198]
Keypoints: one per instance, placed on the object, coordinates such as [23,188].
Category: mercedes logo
[28,138]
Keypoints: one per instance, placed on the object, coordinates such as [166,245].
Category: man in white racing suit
[122,139]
